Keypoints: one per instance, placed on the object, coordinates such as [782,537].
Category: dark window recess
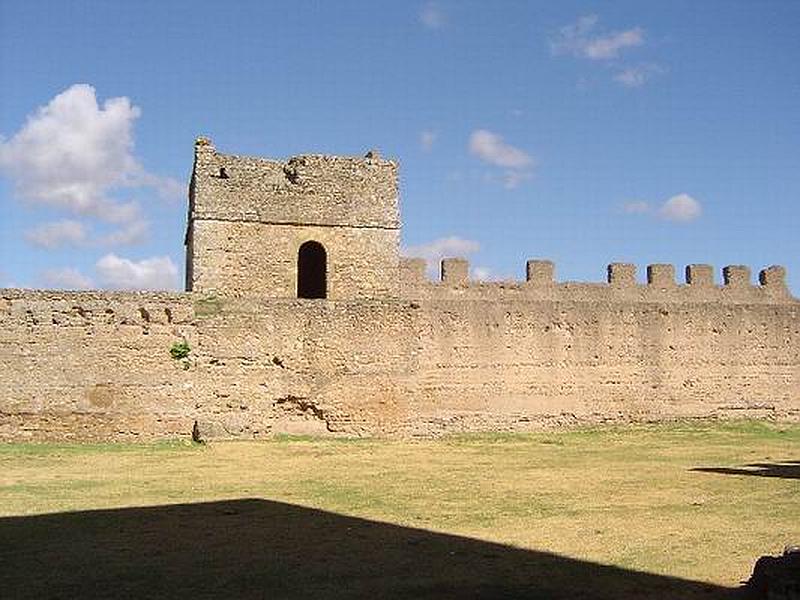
[312,271]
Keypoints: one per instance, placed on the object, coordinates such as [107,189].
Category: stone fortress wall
[388,352]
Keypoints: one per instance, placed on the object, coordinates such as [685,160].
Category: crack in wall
[304,406]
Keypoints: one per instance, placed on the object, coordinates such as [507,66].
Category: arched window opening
[311,271]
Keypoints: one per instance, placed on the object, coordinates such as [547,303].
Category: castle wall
[93,365]
[445,357]
[509,364]
[508,355]
[388,352]
[248,259]
[305,366]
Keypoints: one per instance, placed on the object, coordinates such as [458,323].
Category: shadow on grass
[253,548]
[783,470]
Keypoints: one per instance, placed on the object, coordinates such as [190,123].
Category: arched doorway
[312,266]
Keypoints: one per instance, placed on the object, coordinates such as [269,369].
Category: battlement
[316,226]
[301,317]
[309,189]
[621,283]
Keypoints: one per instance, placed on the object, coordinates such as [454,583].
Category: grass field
[511,515]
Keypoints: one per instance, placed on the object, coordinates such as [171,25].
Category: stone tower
[309,227]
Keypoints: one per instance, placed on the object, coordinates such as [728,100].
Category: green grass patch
[627,496]
[57,448]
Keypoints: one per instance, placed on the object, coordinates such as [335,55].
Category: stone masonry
[377,348]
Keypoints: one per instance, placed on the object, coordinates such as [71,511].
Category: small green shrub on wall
[179,350]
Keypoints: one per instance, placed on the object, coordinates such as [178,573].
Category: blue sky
[582,132]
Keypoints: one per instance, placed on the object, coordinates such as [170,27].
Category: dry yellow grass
[628,497]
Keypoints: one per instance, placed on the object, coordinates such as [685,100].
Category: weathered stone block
[661,275]
[539,272]
[700,275]
[773,277]
[622,274]
[412,271]
[204,431]
[736,275]
[455,270]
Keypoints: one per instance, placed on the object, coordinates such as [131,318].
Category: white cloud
[492,149]
[167,188]
[58,233]
[433,252]
[427,139]
[637,207]
[132,233]
[512,179]
[578,40]
[157,273]
[680,208]
[73,153]
[66,279]
[572,38]
[577,31]
[68,232]
[481,273]
[637,76]
[432,16]
[604,48]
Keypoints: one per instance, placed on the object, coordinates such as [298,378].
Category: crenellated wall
[386,352]
[511,355]
[621,284]
[439,357]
